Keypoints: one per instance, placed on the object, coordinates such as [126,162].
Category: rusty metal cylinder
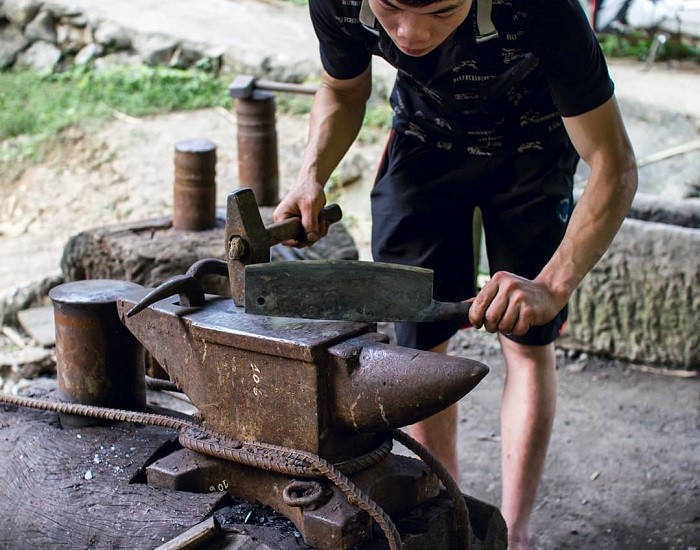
[258,165]
[98,361]
[194,192]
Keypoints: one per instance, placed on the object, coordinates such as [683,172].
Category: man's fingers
[311,227]
[495,313]
[508,323]
[477,310]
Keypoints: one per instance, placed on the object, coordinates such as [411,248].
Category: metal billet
[258,165]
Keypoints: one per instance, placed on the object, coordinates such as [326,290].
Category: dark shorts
[422,209]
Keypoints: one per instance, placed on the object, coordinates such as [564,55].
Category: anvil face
[326,387]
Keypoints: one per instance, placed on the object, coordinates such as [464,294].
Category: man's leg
[527,414]
[439,432]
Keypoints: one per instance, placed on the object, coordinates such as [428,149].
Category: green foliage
[638,44]
[35,107]
[625,45]
[293,104]
[33,103]
[675,49]
[378,116]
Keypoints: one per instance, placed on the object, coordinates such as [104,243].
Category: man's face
[417,31]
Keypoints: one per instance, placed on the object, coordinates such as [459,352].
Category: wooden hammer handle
[291,228]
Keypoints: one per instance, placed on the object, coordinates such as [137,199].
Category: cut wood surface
[81,488]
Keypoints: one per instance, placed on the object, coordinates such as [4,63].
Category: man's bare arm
[336,118]
[512,304]
[600,138]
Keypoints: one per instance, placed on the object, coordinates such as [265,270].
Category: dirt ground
[623,470]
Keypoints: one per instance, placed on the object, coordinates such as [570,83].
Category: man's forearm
[336,119]
[602,142]
[594,222]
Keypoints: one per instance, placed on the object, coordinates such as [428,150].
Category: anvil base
[403,487]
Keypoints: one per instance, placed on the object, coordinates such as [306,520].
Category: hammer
[248,240]
[244,86]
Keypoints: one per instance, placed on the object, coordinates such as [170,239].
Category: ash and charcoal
[242,512]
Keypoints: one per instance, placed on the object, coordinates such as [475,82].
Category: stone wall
[46,37]
[641,302]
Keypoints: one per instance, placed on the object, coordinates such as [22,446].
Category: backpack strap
[368,19]
[486,30]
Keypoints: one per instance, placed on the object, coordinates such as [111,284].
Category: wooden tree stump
[150,252]
[74,488]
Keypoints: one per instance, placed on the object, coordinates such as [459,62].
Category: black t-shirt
[500,96]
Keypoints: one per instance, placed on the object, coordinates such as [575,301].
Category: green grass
[35,107]
[34,104]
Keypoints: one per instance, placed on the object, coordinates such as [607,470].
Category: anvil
[336,389]
[320,386]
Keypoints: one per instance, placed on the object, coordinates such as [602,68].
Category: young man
[493,106]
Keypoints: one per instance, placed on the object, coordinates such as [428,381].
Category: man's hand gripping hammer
[248,241]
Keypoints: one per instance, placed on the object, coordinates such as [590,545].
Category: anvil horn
[377,386]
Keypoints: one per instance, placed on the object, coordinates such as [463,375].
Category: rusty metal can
[194,191]
[98,361]
[258,165]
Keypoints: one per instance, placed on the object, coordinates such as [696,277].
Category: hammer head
[242,87]
[247,241]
